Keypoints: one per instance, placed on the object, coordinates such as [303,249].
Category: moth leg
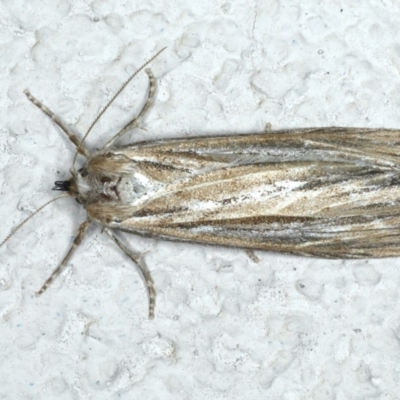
[137,259]
[135,122]
[71,136]
[253,257]
[58,270]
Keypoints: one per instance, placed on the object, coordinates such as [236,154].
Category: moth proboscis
[324,192]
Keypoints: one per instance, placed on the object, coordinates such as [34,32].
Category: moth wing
[333,194]
[376,146]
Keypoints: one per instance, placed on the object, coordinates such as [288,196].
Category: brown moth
[325,192]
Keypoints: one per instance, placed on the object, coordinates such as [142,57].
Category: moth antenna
[71,136]
[15,229]
[112,100]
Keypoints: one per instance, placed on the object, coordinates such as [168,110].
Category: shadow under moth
[324,192]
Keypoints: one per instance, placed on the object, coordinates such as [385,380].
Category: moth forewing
[329,192]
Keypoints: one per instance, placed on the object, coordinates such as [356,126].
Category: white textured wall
[225,327]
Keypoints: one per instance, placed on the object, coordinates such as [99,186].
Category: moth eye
[83,172]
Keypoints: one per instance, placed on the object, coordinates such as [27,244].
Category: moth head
[62,186]
[71,185]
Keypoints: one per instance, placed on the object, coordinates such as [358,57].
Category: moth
[323,192]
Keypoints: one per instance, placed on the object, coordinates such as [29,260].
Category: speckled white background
[225,327]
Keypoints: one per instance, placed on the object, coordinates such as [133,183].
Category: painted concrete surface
[226,327]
